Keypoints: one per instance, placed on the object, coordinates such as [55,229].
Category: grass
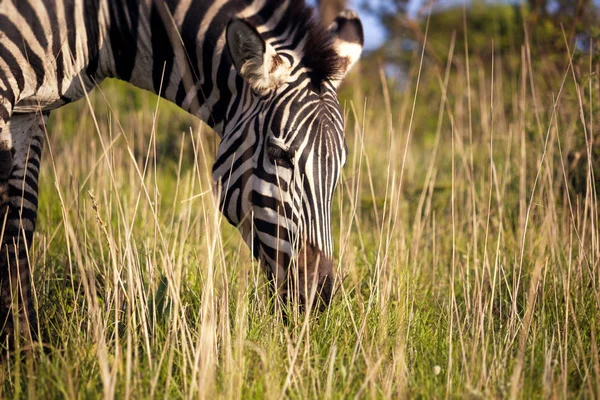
[470,266]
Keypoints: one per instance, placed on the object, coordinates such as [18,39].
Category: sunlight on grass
[469,268]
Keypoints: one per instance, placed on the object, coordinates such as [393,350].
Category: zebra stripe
[262,73]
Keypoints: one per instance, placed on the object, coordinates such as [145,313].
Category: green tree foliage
[488,27]
[503,22]
[562,8]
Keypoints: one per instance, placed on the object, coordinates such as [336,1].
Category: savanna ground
[467,247]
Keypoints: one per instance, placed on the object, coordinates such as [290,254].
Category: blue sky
[375,35]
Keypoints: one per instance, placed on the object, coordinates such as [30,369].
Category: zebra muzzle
[314,282]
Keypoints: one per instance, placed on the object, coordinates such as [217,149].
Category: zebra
[262,74]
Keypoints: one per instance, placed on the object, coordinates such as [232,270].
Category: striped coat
[261,73]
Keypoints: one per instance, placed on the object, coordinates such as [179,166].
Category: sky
[375,35]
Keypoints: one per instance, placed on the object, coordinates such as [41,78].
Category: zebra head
[283,147]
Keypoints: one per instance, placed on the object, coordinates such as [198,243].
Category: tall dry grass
[468,265]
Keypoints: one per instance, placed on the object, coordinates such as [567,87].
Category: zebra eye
[279,156]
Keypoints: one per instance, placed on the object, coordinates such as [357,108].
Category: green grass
[468,266]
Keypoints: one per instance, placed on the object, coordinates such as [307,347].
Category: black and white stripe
[262,73]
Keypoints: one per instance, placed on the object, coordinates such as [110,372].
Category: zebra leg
[5,140]
[23,136]
[6,157]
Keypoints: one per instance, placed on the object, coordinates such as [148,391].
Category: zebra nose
[315,277]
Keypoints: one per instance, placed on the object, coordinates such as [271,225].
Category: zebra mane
[318,54]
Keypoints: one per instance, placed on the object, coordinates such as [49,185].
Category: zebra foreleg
[23,137]
[6,159]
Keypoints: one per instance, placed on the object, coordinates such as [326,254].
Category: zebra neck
[176,51]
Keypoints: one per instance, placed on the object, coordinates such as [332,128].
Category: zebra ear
[254,59]
[348,39]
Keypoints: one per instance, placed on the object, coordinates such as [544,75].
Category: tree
[329,9]
[567,8]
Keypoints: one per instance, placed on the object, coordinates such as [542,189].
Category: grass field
[468,263]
